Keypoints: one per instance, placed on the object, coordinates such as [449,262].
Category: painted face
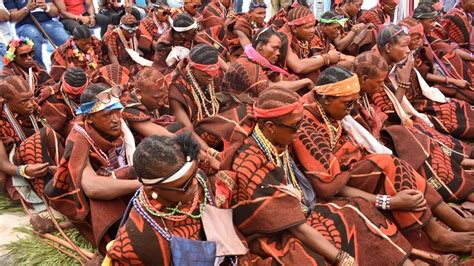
[304,32]
[332,30]
[84,44]
[283,132]
[153,97]
[354,8]
[271,50]
[24,56]
[192,7]
[416,41]
[22,103]
[370,85]
[399,50]
[107,122]
[258,15]
[339,107]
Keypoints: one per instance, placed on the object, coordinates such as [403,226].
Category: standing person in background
[21,12]
[114,10]
[76,12]
[6,33]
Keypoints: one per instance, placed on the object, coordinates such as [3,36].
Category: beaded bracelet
[382,202]
[344,259]
[21,171]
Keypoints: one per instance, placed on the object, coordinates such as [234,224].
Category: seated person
[152,27]
[190,7]
[115,10]
[255,70]
[217,13]
[169,204]
[94,182]
[380,14]
[59,102]
[19,60]
[74,13]
[274,205]
[6,32]
[81,50]
[44,11]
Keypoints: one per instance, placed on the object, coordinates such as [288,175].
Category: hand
[460,83]
[31,5]
[357,28]
[334,56]
[408,200]
[37,170]
[309,83]
[92,21]
[404,71]
[214,162]
[42,5]
[84,20]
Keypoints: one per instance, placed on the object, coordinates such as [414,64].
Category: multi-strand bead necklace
[200,98]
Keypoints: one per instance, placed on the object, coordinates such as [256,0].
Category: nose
[116,117]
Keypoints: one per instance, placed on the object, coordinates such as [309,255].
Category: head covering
[295,107]
[413,25]
[189,164]
[183,29]
[300,15]
[345,87]
[71,89]
[13,45]
[212,69]
[257,4]
[340,19]
[128,19]
[97,106]
[425,11]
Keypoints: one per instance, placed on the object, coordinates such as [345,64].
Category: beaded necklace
[16,127]
[71,104]
[200,98]
[304,48]
[281,160]
[334,132]
[144,202]
[132,44]
[161,27]
[99,152]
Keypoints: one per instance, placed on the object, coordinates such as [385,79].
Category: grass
[7,205]
[34,250]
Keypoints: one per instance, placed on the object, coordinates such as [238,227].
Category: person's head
[17,94]
[467,5]
[111,75]
[102,110]
[74,82]
[257,11]
[21,52]
[267,42]
[388,6]
[371,69]
[151,87]
[393,41]
[167,167]
[352,7]
[337,90]
[192,6]
[82,37]
[184,27]
[279,113]
[331,24]
[436,4]
[161,11]
[203,61]
[226,3]
[416,32]
[301,20]
[427,16]
[129,25]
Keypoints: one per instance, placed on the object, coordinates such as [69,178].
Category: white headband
[177,175]
[183,29]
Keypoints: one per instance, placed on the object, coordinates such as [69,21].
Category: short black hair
[390,34]
[81,32]
[75,76]
[204,54]
[263,36]
[92,91]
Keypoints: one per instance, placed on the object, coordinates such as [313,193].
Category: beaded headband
[189,164]
[342,88]
[303,20]
[279,111]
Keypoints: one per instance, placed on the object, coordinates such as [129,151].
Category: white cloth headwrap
[363,137]
[177,54]
[183,29]
[177,175]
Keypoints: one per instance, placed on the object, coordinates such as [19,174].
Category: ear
[326,100]
[388,48]
[364,78]
[269,126]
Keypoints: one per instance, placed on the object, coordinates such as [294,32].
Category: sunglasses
[25,55]
[129,28]
[106,96]
[186,185]
[293,128]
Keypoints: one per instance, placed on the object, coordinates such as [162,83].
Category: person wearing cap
[154,25]
[276,208]
[302,58]
[330,151]
[174,44]
[120,38]
[243,27]
[380,14]
[18,61]
[94,180]
[59,102]
[454,80]
[168,207]
[81,50]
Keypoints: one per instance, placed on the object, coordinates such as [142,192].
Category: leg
[446,241]
[69,25]
[56,31]
[3,51]
[452,219]
[30,31]
[103,22]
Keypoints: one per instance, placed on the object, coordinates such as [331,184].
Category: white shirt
[6,33]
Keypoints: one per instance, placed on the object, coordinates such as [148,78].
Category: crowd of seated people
[203,136]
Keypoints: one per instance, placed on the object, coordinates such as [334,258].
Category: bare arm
[17,15]
[465,55]
[53,11]
[112,57]
[105,188]
[292,85]
[63,10]
[5,165]
[314,240]
[343,43]
[303,66]
[4,14]
[90,7]
[148,128]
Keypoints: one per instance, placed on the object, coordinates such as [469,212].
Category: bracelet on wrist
[382,202]
[344,259]
[21,171]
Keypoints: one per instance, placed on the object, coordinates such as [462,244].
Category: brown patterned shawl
[40,76]
[111,42]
